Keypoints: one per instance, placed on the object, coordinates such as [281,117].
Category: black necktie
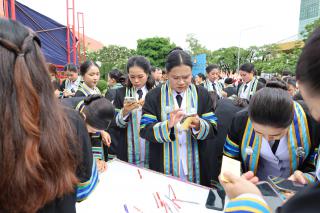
[140,93]
[275,146]
[214,87]
[179,99]
[245,87]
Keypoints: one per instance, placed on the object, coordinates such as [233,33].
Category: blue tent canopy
[52,34]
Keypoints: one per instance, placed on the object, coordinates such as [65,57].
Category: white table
[121,184]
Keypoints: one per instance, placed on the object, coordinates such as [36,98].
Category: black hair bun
[279,84]
[175,49]
[91,98]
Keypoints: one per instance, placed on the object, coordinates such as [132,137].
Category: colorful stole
[252,88]
[116,86]
[87,91]
[68,83]
[171,157]
[96,144]
[133,134]
[299,142]
[209,87]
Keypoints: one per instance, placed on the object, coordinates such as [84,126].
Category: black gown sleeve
[232,146]
[87,172]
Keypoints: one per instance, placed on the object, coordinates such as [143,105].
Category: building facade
[309,12]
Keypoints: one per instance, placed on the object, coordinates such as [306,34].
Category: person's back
[44,152]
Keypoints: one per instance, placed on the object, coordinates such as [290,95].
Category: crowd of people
[57,136]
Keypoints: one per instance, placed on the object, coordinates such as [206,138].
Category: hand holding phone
[285,185]
[216,199]
[270,195]
[130,103]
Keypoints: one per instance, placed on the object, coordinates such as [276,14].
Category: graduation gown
[97,146]
[164,148]
[253,88]
[243,144]
[125,134]
[84,90]
[87,172]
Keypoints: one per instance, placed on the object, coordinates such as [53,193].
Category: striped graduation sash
[171,156]
[299,142]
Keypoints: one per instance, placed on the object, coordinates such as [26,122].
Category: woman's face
[213,75]
[180,78]
[72,76]
[246,76]
[268,132]
[137,77]
[92,77]
[111,81]
[311,99]
[292,90]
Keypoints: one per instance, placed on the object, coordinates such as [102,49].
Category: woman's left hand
[106,139]
[195,124]
[102,165]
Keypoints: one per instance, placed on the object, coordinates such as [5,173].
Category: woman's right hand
[298,177]
[128,107]
[175,117]
[239,185]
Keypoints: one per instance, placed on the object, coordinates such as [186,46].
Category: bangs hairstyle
[144,64]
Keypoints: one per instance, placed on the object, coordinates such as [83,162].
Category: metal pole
[13,9]
[68,34]
[238,67]
[242,30]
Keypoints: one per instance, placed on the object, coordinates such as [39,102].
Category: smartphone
[216,199]
[270,195]
[285,184]
[128,99]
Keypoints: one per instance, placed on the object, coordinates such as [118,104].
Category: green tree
[155,49]
[305,34]
[227,58]
[111,57]
[194,45]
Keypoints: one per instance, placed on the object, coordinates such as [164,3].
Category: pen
[159,198]
[140,174]
[126,208]
[156,200]
[186,201]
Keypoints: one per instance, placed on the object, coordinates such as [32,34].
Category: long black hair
[308,66]
[272,106]
[144,64]
[36,162]
[98,111]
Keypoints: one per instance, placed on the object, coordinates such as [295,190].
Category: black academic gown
[230,91]
[225,111]
[118,145]
[238,130]
[208,168]
[66,204]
